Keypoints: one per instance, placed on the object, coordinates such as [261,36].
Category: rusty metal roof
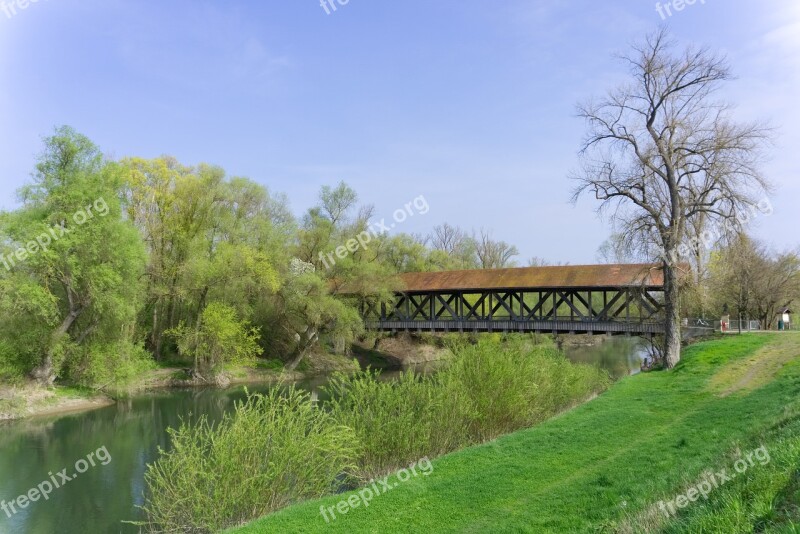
[570,276]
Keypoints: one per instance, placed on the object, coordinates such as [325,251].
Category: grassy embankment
[24,398]
[605,466]
[20,401]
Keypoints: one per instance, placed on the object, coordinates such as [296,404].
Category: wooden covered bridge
[589,299]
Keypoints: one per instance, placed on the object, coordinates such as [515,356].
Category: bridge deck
[596,299]
[555,327]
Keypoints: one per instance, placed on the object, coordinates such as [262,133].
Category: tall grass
[387,418]
[279,449]
[276,450]
[487,390]
[514,386]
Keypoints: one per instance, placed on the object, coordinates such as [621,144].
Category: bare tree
[755,281]
[493,254]
[615,250]
[660,152]
[458,247]
[447,238]
[536,261]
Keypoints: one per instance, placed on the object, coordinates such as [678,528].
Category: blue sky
[469,103]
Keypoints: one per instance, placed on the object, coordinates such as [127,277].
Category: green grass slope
[604,466]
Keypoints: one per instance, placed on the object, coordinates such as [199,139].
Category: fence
[748,325]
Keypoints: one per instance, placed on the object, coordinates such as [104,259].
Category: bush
[277,449]
[220,338]
[102,365]
[11,371]
[509,386]
[487,390]
[389,418]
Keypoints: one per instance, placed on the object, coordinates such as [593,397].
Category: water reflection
[620,356]
[97,500]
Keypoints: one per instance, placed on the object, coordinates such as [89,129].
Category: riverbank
[607,464]
[387,353]
[19,402]
[30,400]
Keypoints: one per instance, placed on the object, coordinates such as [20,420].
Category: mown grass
[604,466]
[765,498]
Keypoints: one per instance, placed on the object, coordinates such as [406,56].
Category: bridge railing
[559,326]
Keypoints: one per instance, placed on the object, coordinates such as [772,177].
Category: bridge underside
[616,311]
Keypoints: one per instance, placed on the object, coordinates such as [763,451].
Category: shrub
[509,386]
[487,390]
[390,418]
[219,338]
[102,365]
[276,449]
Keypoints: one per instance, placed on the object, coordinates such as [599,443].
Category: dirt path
[751,373]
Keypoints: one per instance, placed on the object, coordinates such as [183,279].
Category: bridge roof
[564,277]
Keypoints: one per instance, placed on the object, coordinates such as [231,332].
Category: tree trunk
[156,334]
[307,340]
[45,373]
[672,335]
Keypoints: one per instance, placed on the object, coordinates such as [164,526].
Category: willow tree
[71,297]
[661,152]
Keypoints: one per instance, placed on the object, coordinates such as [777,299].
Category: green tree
[210,238]
[307,311]
[75,263]
[754,281]
[220,337]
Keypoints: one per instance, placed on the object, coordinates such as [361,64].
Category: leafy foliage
[74,281]
[219,338]
[276,450]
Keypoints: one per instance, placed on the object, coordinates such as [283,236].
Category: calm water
[98,500]
[620,356]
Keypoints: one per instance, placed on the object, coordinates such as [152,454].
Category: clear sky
[469,103]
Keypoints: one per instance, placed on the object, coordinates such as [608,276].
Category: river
[122,439]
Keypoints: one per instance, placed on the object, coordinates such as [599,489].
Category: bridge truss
[630,311]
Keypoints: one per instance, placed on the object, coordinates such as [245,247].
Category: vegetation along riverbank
[21,398]
[607,465]
[284,448]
